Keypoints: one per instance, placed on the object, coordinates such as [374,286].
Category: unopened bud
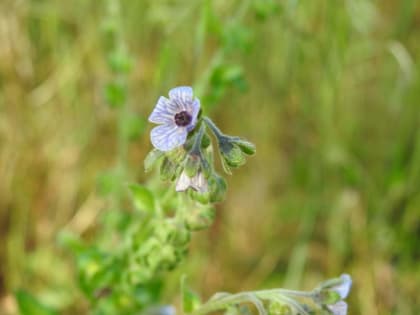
[201,197]
[218,188]
[233,155]
[205,142]
[246,146]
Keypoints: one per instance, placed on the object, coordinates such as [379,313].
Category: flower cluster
[184,149]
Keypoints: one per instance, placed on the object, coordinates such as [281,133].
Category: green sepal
[192,165]
[168,169]
[151,159]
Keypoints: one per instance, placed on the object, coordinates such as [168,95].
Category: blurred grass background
[328,90]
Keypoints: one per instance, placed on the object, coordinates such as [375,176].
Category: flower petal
[199,183]
[167,137]
[339,308]
[344,287]
[183,183]
[195,109]
[182,96]
[163,112]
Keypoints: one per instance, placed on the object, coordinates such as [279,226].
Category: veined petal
[182,96]
[195,109]
[167,137]
[163,112]
[339,308]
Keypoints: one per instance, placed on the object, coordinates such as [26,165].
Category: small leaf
[190,301]
[29,305]
[142,197]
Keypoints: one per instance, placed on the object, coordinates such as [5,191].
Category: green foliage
[143,198]
[29,305]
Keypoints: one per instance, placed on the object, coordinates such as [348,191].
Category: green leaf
[29,305]
[142,197]
[190,300]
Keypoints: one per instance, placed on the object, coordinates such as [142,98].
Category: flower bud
[201,197]
[200,218]
[233,155]
[205,142]
[182,237]
[198,182]
[246,146]
[218,188]
[168,257]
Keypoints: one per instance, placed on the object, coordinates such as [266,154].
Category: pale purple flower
[343,288]
[339,308]
[176,117]
[198,182]
[331,294]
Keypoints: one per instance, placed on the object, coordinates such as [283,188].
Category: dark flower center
[182,119]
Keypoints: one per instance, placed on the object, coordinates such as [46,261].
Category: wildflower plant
[127,276]
[125,271]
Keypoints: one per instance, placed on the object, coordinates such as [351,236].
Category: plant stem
[280,295]
[213,127]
